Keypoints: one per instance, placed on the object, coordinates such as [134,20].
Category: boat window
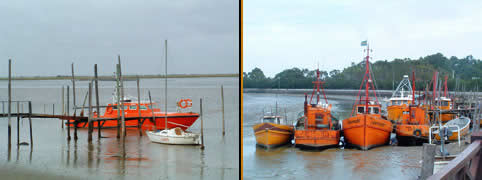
[405,102]
[126,107]
[376,110]
[269,119]
[114,107]
[445,103]
[319,117]
[361,109]
[133,107]
[143,107]
[370,110]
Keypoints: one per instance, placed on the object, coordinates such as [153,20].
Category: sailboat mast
[165,85]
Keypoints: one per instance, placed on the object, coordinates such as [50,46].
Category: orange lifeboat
[179,119]
[366,128]
[316,128]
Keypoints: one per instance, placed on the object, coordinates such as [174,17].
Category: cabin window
[445,103]
[269,119]
[114,107]
[319,117]
[361,109]
[143,107]
[376,110]
[134,107]
[150,106]
[126,107]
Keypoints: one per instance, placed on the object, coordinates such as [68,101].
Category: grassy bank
[126,77]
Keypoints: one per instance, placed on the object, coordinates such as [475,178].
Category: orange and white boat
[154,118]
[272,132]
[401,98]
[316,128]
[366,128]
[413,128]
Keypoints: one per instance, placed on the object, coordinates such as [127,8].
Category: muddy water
[52,156]
[388,162]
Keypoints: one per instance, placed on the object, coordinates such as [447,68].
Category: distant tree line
[466,73]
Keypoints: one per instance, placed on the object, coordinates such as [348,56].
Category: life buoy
[417,133]
[184,103]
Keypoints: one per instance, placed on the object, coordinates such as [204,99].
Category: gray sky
[284,34]
[45,37]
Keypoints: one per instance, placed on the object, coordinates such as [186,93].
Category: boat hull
[408,134]
[270,135]
[318,139]
[181,120]
[365,131]
[180,140]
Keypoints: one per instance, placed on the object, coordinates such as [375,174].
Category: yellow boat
[272,132]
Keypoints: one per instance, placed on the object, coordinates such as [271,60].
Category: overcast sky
[283,34]
[45,37]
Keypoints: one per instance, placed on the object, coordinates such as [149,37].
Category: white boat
[173,136]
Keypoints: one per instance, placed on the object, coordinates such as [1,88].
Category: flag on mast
[364,43]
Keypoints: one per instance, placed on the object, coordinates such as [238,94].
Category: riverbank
[126,77]
[347,92]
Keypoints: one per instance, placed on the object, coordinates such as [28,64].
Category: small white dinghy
[173,136]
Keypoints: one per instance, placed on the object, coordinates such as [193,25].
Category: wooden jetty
[467,165]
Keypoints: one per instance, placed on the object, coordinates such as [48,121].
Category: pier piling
[201,112]
[63,108]
[139,107]
[222,105]
[18,123]
[91,128]
[30,123]
[118,100]
[9,103]
[428,158]
[68,106]
[152,111]
[97,100]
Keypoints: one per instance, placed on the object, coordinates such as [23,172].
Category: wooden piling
[139,107]
[68,114]
[73,90]
[118,101]
[63,108]
[202,131]
[18,123]
[30,122]
[53,109]
[91,128]
[428,158]
[9,102]
[222,105]
[152,111]
[97,100]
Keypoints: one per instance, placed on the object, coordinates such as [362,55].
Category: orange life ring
[184,103]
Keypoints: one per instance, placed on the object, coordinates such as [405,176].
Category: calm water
[53,156]
[388,162]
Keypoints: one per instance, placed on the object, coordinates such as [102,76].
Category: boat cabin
[128,108]
[272,119]
[445,103]
[400,101]
[372,109]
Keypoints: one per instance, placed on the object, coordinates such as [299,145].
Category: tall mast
[367,72]
[318,86]
[413,89]
[445,84]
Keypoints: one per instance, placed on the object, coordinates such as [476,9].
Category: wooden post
[152,111]
[68,114]
[97,99]
[74,104]
[18,123]
[73,90]
[63,108]
[30,123]
[202,131]
[9,102]
[139,107]
[91,128]
[428,158]
[118,101]
[53,109]
[222,105]
[121,87]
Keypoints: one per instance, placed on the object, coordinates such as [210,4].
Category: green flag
[364,43]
